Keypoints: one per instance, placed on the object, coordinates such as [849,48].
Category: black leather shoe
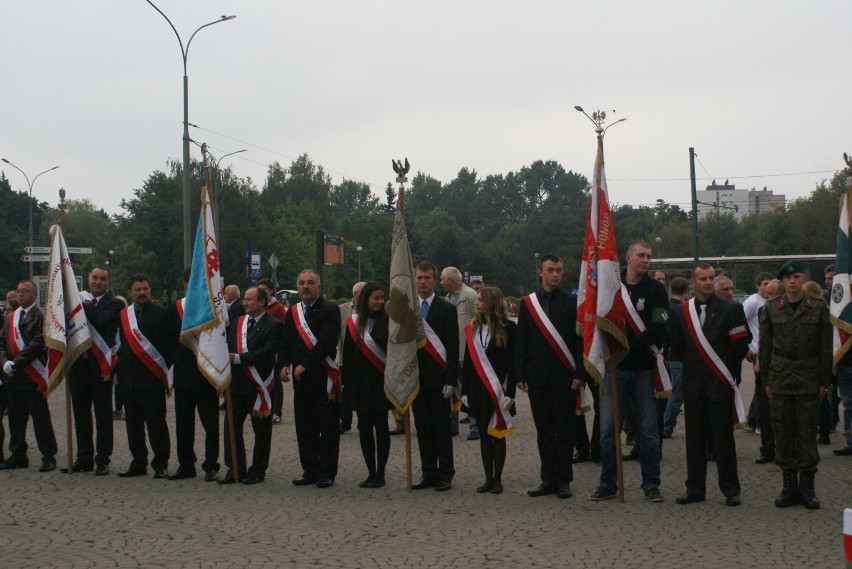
[102,470]
[304,480]
[689,499]
[79,468]
[845,451]
[564,491]
[181,473]
[324,482]
[398,431]
[543,490]
[161,473]
[733,501]
[580,457]
[765,459]
[376,482]
[228,478]
[210,475]
[443,485]
[133,472]
[366,482]
[47,465]
[253,479]
[425,483]
[13,464]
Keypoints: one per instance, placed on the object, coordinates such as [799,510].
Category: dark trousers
[4,404]
[705,418]
[374,435]
[582,441]
[432,421]
[242,405]
[22,404]
[794,420]
[89,391]
[144,408]
[277,396]
[317,431]
[198,395]
[553,414]
[764,419]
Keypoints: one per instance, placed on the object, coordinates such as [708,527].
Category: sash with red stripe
[662,379]
[310,341]
[263,404]
[144,350]
[103,354]
[368,346]
[501,424]
[36,370]
[712,359]
[433,346]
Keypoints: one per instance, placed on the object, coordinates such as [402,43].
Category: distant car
[290,296]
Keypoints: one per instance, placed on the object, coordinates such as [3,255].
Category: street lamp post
[659,247]
[187,221]
[30,184]
[535,271]
[359,249]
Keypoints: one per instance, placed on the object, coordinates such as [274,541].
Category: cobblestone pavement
[57,520]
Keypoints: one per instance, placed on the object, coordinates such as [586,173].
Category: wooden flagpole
[407,420]
[235,466]
[69,427]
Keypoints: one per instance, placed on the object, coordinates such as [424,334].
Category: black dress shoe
[376,482]
[13,464]
[210,475]
[161,473]
[733,501]
[366,482]
[689,499]
[102,470]
[304,480]
[324,482]
[580,457]
[47,466]
[398,431]
[79,468]
[564,490]
[425,483]
[182,472]
[133,472]
[443,485]
[765,459]
[253,479]
[497,487]
[228,478]
[845,451]
[544,489]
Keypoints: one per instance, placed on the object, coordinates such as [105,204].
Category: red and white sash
[368,346]
[263,404]
[501,424]
[434,346]
[143,348]
[662,380]
[103,354]
[36,370]
[712,359]
[310,340]
[550,333]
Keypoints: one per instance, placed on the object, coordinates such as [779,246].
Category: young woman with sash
[364,350]
[488,381]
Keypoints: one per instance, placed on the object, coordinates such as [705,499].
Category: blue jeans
[844,387]
[638,385]
[676,399]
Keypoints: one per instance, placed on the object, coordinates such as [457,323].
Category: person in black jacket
[364,351]
[551,381]
[315,379]
[485,396]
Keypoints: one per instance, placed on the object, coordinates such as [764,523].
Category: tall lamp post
[535,271]
[184,51]
[659,247]
[30,184]
[359,249]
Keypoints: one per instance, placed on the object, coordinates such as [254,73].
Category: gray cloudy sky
[759,88]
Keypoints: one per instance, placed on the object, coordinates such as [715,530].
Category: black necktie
[252,322]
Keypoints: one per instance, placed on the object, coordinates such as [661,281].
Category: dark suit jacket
[722,317]
[157,326]
[536,362]
[503,362]
[105,317]
[236,310]
[264,341]
[323,319]
[186,371]
[31,332]
[443,319]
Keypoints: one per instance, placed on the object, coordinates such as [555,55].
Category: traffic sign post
[35,258]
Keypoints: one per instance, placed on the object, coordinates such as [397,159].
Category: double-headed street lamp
[30,184]
[184,51]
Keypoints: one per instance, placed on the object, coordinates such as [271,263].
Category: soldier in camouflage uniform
[795,358]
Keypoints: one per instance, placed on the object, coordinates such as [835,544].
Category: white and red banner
[263,404]
[501,424]
[310,340]
[143,349]
[662,379]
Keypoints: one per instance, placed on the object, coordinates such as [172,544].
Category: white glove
[507,402]
[86,296]
[464,400]
[448,391]
[9,368]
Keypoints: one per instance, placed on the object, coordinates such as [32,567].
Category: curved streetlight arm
[229,154]
[29,185]
[39,174]
[186,53]
[615,123]
[182,51]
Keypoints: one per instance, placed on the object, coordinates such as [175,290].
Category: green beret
[790,267]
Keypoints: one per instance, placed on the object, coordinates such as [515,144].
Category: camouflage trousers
[795,419]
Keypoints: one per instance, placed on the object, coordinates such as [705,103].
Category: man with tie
[708,334]
[25,375]
[91,376]
[311,332]
[253,340]
[144,356]
[438,359]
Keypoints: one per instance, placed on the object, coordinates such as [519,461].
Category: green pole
[694,205]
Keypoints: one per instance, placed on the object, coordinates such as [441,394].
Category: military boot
[806,491]
[789,495]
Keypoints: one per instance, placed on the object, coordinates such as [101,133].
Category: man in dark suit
[253,340]
[438,360]
[552,386]
[193,391]
[147,345]
[25,377]
[708,401]
[310,350]
[233,302]
[91,376]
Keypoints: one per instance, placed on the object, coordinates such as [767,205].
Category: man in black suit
[91,376]
[25,376]
[438,360]
[708,398]
[193,391]
[310,350]
[233,302]
[253,340]
[552,386]
[147,345]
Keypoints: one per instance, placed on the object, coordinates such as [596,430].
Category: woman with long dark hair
[364,350]
[488,381]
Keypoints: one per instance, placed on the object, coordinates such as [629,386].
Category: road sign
[37,250]
[35,258]
[273,261]
[80,250]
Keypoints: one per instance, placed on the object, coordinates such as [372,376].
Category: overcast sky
[760,89]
